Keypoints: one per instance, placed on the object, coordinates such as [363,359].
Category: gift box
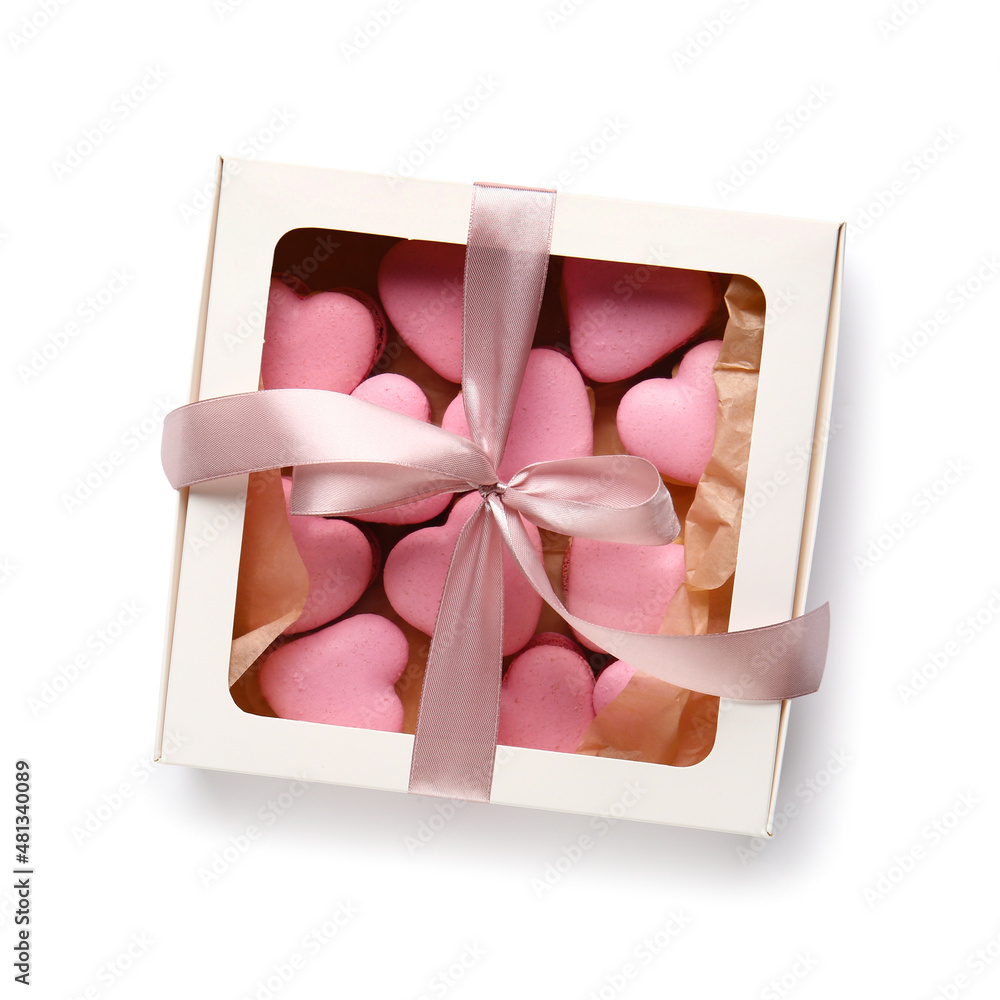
[748,524]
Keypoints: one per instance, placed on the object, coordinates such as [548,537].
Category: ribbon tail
[455,744]
[785,660]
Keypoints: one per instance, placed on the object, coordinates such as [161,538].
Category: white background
[883,882]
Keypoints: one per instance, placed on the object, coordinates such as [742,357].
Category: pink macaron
[611,682]
[420,284]
[329,340]
[552,416]
[547,696]
[671,421]
[624,317]
[621,586]
[397,392]
[342,675]
[340,560]
[416,568]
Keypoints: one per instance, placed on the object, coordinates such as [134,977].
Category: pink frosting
[416,568]
[397,392]
[342,675]
[621,586]
[624,317]
[552,416]
[547,698]
[324,341]
[611,683]
[671,421]
[339,560]
[420,285]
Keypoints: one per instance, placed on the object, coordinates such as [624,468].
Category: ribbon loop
[611,498]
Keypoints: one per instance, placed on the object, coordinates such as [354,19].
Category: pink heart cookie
[339,559]
[416,568]
[624,317]
[552,416]
[420,285]
[621,586]
[324,341]
[611,683]
[671,421]
[397,392]
[341,676]
[547,697]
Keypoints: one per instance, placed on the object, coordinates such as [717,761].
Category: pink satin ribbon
[351,456]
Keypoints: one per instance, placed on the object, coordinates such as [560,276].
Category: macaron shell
[621,586]
[416,568]
[397,392]
[342,675]
[671,421]
[339,559]
[329,340]
[611,683]
[624,317]
[552,417]
[547,699]
[420,284]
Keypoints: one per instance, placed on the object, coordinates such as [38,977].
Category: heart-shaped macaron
[397,392]
[621,586]
[342,675]
[610,683]
[671,421]
[420,284]
[340,560]
[547,696]
[552,417]
[324,341]
[624,317]
[416,568]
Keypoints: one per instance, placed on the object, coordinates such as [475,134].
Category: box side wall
[816,470]
[199,351]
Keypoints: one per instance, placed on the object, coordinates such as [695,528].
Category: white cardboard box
[734,787]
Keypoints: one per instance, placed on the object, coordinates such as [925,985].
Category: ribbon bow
[351,456]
